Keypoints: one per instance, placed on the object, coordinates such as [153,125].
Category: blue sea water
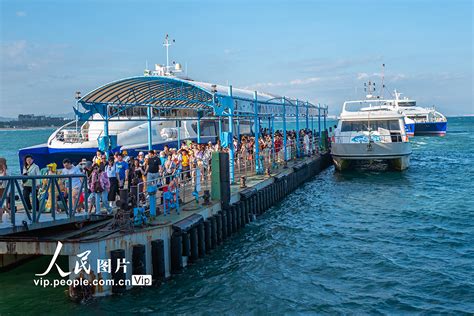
[362,242]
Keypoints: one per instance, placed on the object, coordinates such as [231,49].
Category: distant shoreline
[26,128]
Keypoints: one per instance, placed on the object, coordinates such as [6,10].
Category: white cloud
[20,14]
[13,50]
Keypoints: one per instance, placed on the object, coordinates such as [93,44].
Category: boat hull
[431,128]
[347,155]
[410,129]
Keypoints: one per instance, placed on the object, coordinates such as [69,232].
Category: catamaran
[373,133]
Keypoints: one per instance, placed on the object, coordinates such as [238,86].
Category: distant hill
[6,119]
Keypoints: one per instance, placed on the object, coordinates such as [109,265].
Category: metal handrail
[185,180]
[52,191]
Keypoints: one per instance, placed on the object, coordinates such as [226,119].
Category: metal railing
[190,185]
[48,192]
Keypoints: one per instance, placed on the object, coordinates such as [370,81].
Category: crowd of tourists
[190,163]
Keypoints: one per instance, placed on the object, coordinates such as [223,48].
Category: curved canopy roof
[176,93]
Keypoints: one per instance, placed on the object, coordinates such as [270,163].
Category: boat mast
[167,44]
[383,85]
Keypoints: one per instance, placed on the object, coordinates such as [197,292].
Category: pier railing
[190,185]
[37,195]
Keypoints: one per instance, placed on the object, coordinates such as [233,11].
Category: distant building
[31,120]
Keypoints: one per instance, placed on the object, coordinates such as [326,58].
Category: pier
[154,231]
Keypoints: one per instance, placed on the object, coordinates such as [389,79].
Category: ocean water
[360,242]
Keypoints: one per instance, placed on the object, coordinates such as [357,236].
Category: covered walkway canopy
[161,94]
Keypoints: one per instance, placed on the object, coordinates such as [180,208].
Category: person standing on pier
[76,182]
[153,168]
[29,169]
[122,169]
[99,187]
[3,184]
[112,174]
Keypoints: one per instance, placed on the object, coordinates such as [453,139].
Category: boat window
[407,103]
[358,126]
[208,128]
[354,126]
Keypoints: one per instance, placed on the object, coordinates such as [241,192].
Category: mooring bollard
[219,228]
[207,235]
[193,236]
[186,244]
[138,259]
[201,240]
[158,260]
[176,253]
[117,256]
[213,232]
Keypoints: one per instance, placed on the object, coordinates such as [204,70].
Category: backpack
[97,186]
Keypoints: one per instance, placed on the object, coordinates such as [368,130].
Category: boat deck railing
[71,134]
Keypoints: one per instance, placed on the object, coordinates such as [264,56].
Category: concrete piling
[193,236]
[213,232]
[201,240]
[219,228]
[138,259]
[158,260]
[207,235]
[117,256]
[186,244]
[176,253]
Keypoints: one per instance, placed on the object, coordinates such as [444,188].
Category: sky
[319,51]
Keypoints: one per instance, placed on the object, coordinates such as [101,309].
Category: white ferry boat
[375,132]
[128,129]
[427,121]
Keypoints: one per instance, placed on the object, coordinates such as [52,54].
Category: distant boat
[427,121]
[374,133]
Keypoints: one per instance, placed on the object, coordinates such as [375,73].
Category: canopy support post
[297,130]
[258,168]
[319,125]
[106,133]
[325,115]
[312,134]
[178,125]
[284,132]
[199,127]
[231,139]
[307,112]
[150,141]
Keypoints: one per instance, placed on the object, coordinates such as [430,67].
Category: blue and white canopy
[168,93]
